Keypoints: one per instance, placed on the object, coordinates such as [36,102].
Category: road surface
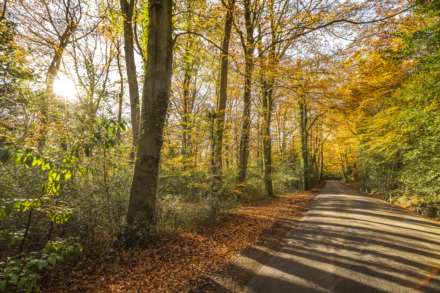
[348,242]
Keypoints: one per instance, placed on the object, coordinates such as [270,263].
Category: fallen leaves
[180,259]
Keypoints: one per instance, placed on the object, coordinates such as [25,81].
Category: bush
[174,213]
[23,273]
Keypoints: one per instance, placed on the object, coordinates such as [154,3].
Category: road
[349,242]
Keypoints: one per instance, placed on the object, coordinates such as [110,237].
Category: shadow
[208,284]
[351,262]
[388,217]
[265,283]
[410,237]
[362,251]
[332,250]
[359,206]
[314,277]
[401,242]
[321,222]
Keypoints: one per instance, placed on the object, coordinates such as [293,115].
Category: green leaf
[5,155]
[2,212]
[52,259]
[42,264]
[13,278]
[45,166]
[3,286]
[67,176]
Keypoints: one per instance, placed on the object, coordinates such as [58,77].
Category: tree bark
[259,140]
[267,105]
[246,122]
[155,97]
[5,6]
[219,124]
[249,48]
[127,8]
[321,161]
[303,125]
[121,87]
[188,96]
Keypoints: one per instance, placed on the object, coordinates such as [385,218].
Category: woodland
[123,122]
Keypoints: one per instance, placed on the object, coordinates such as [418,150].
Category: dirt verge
[186,260]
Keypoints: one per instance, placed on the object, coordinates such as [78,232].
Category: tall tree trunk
[121,87]
[155,97]
[268,64]
[127,8]
[267,105]
[219,125]
[188,97]
[5,6]
[259,140]
[321,161]
[283,136]
[249,48]
[186,116]
[303,125]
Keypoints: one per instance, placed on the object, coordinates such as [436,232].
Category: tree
[127,9]
[4,9]
[155,98]
[51,24]
[303,129]
[251,12]
[92,60]
[187,78]
[219,123]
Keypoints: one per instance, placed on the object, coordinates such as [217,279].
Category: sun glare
[65,87]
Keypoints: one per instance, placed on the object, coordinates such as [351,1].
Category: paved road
[352,243]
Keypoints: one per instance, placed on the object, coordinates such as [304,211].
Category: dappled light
[335,248]
[219,146]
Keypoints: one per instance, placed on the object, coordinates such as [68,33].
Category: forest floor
[182,261]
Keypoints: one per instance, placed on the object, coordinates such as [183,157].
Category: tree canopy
[121,121]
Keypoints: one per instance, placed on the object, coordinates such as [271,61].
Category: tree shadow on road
[341,246]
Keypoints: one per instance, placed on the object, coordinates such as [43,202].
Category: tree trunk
[321,163]
[259,140]
[121,87]
[155,97]
[268,64]
[267,140]
[188,97]
[5,6]
[303,124]
[248,47]
[127,8]
[283,136]
[219,125]
[186,117]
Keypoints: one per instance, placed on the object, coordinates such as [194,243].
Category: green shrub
[174,213]
[23,273]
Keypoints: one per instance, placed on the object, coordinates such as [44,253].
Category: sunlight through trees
[122,121]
